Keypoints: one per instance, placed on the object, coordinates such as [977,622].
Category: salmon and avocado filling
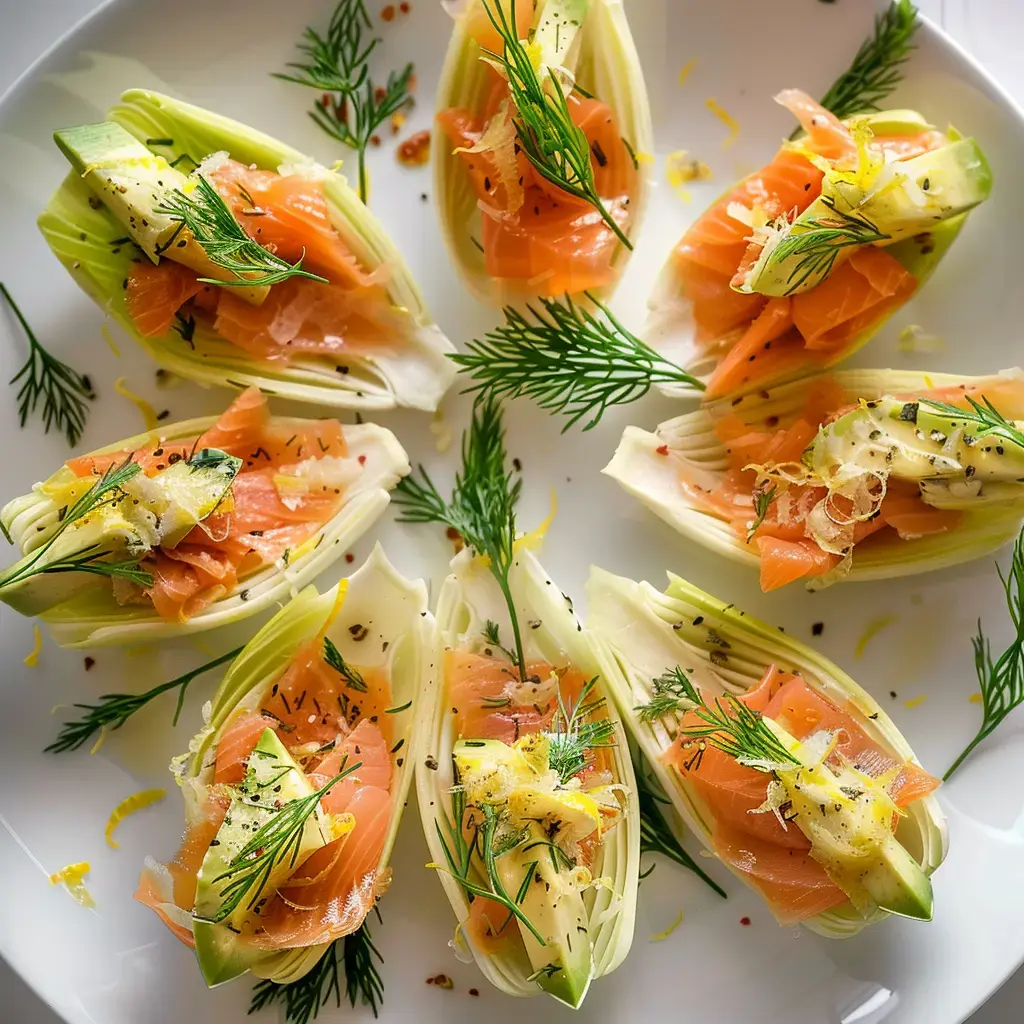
[808,491]
[291,810]
[182,523]
[535,797]
[203,236]
[802,261]
[545,230]
[798,800]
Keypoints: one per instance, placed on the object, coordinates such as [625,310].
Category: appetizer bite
[867,474]
[542,112]
[802,262]
[787,770]
[234,260]
[195,525]
[525,783]
[295,787]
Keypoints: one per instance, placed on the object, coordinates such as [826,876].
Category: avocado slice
[927,190]
[847,816]
[133,182]
[271,769]
[564,965]
[935,445]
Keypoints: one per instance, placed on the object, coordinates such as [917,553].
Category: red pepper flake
[662,449]
[374,140]
[349,557]
[89,662]
[474,992]
[745,921]
[415,151]
[325,100]
[405,8]
[362,460]
[379,93]
[441,981]
[388,13]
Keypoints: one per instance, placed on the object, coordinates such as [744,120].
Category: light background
[992,30]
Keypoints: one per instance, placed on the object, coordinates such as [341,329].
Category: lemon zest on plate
[726,118]
[684,71]
[32,658]
[661,936]
[976,698]
[915,701]
[72,876]
[532,540]
[871,630]
[129,805]
[148,412]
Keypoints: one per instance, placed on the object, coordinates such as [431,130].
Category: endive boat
[801,263]
[194,525]
[295,786]
[542,112]
[170,209]
[864,474]
[788,771]
[526,788]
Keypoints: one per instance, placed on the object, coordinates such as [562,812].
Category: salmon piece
[717,309]
[365,746]
[237,742]
[860,292]
[773,321]
[156,293]
[183,869]
[783,561]
[477,22]
[906,147]
[554,242]
[490,926]
[910,517]
[477,683]
[826,134]
[801,712]
[795,886]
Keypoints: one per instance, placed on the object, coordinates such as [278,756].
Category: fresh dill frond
[64,392]
[353,680]
[351,108]
[458,854]
[277,841]
[575,735]
[482,507]
[877,68]
[492,637]
[984,415]
[728,724]
[568,360]
[554,145]
[1002,680]
[816,250]
[208,218]
[114,709]
[352,956]
[656,836]
[107,490]
[764,495]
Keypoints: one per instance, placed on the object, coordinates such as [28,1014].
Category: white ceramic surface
[117,965]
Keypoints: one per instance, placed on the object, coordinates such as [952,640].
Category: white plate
[117,964]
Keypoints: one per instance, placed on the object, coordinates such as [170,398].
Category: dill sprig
[554,145]
[764,495]
[458,854]
[989,420]
[1002,680]
[568,361]
[352,956]
[877,68]
[482,507]
[492,637]
[204,214]
[114,709]
[64,392]
[332,656]
[575,734]
[272,844]
[656,836]
[337,63]
[816,250]
[109,489]
[728,725]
